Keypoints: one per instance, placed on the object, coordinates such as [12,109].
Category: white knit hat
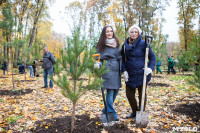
[137,27]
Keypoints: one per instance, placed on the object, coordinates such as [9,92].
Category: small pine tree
[183,64]
[196,78]
[76,63]
[193,55]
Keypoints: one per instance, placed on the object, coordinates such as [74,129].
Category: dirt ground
[172,102]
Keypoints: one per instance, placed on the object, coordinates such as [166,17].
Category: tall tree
[7,25]
[185,20]
[39,7]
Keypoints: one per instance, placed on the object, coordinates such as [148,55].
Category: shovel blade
[141,119]
[108,121]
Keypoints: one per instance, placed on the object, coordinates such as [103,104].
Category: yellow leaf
[166,126]
[65,108]
[10,131]
[90,116]
[126,104]
[17,110]
[109,8]
[50,90]
[83,112]
[30,127]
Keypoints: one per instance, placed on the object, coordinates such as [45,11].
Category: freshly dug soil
[15,92]
[13,74]
[190,110]
[157,76]
[24,80]
[158,84]
[83,124]
[3,77]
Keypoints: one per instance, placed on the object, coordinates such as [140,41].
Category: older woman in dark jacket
[109,48]
[133,60]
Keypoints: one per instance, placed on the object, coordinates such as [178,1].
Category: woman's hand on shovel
[147,71]
[97,65]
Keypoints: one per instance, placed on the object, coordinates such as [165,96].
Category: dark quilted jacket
[134,64]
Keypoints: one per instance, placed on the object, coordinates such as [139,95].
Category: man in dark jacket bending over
[48,61]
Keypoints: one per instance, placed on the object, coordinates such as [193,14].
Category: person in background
[133,60]
[22,69]
[170,63]
[4,67]
[31,70]
[35,64]
[197,63]
[158,69]
[48,61]
[109,48]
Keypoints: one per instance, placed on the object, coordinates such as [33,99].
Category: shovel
[108,118]
[142,116]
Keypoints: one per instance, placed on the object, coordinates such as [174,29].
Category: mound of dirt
[158,84]
[15,92]
[83,124]
[190,110]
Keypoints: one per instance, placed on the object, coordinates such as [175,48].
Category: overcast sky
[170,14]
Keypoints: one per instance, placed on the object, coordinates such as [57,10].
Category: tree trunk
[37,15]
[4,50]
[26,24]
[12,62]
[73,117]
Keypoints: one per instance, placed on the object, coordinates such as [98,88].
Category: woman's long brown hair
[102,39]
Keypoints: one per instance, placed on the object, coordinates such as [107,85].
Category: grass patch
[13,119]
[181,78]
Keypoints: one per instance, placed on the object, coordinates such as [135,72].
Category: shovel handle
[95,55]
[148,40]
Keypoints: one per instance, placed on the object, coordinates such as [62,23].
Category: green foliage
[193,53]
[186,15]
[13,119]
[75,61]
[8,21]
[181,77]
[35,50]
[121,33]
[196,80]
[182,62]
[193,56]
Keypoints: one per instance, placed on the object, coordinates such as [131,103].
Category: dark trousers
[130,93]
[171,69]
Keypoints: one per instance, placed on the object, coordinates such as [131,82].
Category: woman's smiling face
[134,33]
[109,32]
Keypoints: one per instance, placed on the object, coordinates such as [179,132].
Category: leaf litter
[32,108]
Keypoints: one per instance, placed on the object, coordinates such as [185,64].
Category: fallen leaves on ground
[21,108]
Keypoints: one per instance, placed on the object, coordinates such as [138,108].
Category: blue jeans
[110,98]
[4,72]
[31,71]
[48,72]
